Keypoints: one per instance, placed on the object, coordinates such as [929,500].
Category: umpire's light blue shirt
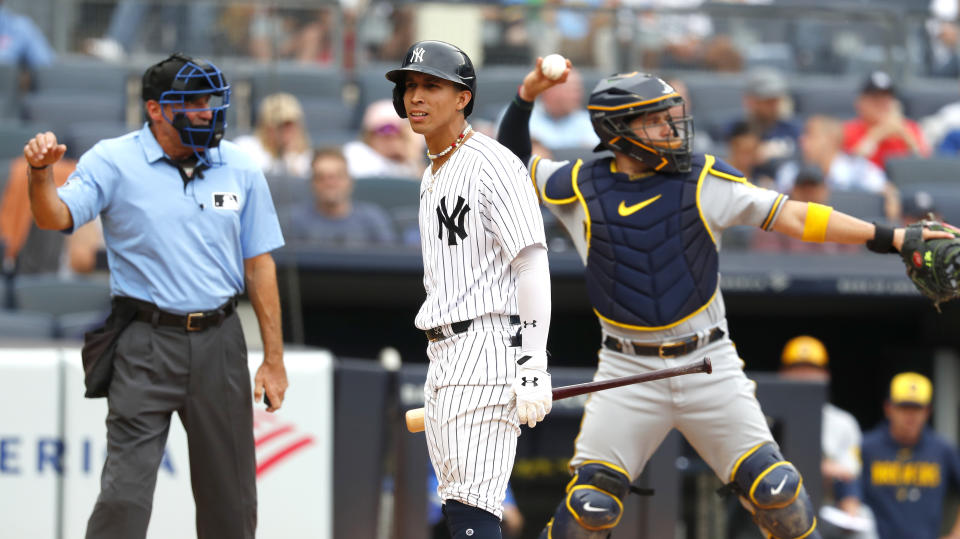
[180,248]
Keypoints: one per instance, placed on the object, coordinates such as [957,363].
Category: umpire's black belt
[665,350]
[199,321]
[438,333]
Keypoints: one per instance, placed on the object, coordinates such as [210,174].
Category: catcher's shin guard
[593,504]
[772,490]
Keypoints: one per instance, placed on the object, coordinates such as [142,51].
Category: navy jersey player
[647,223]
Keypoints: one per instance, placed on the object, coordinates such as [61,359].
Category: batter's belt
[664,350]
[442,332]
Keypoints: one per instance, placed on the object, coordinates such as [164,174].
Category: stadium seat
[80,74]
[905,171]
[327,114]
[831,96]
[946,198]
[373,84]
[27,325]
[716,100]
[13,136]
[924,97]
[866,206]
[81,137]
[288,191]
[389,193]
[57,296]
[8,91]
[60,110]
[496,87]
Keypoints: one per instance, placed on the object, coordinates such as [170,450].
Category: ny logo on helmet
[417,54]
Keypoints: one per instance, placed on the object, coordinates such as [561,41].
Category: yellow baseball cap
[804,350]
[911,388]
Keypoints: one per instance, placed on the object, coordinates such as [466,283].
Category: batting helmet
[179,80]
[439,59]
[617,100]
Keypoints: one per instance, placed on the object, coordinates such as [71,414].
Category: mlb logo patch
[226,201]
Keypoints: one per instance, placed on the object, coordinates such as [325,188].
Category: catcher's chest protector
[651,261]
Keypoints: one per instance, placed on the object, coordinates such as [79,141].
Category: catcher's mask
[662,138]
[439,59]
[180,81]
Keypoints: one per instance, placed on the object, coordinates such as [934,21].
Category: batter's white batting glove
[532,389]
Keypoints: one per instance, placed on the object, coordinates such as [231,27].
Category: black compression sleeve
[514,132]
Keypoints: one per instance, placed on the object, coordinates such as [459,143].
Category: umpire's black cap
[439,59]
[160,77]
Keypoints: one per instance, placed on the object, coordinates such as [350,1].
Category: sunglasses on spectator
[386,129]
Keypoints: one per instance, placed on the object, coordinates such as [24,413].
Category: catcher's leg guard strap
[773,489]
[593,504]
[467,522]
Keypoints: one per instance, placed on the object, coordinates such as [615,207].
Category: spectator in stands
[940,53]
[387,145]
[881,131]
[821,145]
[917,205]
[184,26]
[937,126]
[702,142]
[808,186]
[302,35]
[280,144]
[805,358]
[768,111]
[333,218]
[27,248]
[907,467]
[743,153]
[21,42]
[559,119]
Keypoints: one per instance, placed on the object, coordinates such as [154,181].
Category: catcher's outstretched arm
[814,222]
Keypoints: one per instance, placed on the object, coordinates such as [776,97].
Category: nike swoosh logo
[625,210]
[777,490]
[592,509]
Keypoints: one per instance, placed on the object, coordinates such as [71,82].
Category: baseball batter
[487,307]
[647,224]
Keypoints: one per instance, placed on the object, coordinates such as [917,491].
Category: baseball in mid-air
[553,66]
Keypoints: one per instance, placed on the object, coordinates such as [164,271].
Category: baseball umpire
[187,221]
[487,307]
[646,223]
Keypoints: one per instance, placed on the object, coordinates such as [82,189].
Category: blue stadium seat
[928,170]
[81,74]
[60,111]
[715,99]
[327,114]
[389,193]
[288,190]
[80,137]
[923,97]
[373,84]
[27,325]
[496,87]
[833,96]
[54,295]
[866,206]
[8,91]
[13,136]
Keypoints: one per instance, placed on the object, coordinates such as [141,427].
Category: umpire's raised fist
[43,150]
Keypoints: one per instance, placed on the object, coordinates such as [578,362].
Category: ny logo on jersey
[454,221]
[417,55]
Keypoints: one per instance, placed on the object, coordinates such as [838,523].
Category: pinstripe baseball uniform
[718,414]
[477,212]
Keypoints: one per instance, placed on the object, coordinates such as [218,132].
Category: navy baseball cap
[878,82]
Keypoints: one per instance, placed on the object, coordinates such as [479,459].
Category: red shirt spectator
[880,130]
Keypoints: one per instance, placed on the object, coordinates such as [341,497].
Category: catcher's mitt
[933,265]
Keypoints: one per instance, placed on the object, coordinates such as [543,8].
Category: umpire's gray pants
[203,376]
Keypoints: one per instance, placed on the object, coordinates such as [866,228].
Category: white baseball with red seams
[553,66]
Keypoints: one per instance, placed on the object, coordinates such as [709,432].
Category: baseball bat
[414,417]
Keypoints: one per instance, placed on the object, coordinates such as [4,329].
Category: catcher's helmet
[178,80]
[439,59]
[617,100]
